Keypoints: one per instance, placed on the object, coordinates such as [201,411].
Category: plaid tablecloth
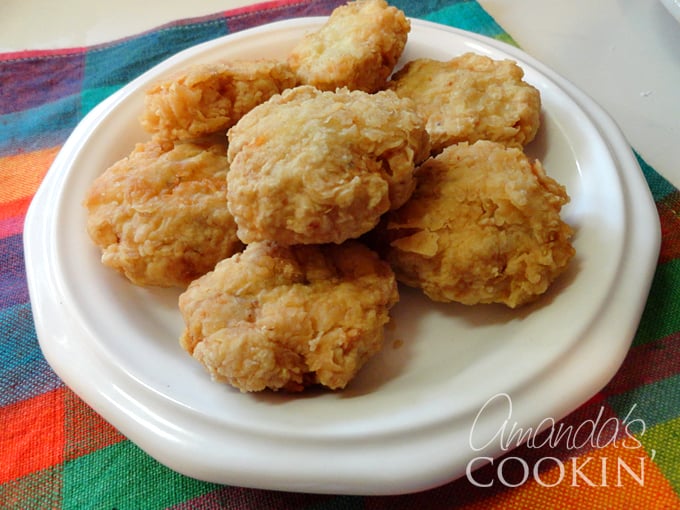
[56,452]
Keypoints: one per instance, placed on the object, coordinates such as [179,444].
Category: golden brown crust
[160,215]
[312,167]
[483,226]
[470,98]
[356,48]
[210,98]
[286,317]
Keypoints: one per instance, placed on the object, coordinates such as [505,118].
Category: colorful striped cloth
[58,453]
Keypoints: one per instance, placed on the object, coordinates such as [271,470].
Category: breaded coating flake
[471,97]
[210,98]
[289,317]
[160,215]
[483,226]
[358,47]
[312,167]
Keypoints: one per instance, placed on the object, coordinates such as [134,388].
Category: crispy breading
[160,215]
[210,98]
[316,167]
[288,317]
[471,97]
[358,47]
[482,226]
[288,197]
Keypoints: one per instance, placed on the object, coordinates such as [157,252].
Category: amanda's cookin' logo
[550,471]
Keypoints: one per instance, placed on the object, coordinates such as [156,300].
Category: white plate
[406,423]
[673,6]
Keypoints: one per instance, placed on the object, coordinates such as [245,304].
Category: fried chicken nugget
[210,98]
[288,317]
[358,47]
[483,226]
[160,215]
[471,97]
[312,167]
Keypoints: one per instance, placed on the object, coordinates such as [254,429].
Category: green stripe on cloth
[123,477]
[661,443]
[661,316]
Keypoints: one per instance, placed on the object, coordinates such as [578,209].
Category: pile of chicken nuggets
[288,197]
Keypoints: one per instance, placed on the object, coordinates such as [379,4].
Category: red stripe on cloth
[32,435]
[274,4]
[15,208]
[660,359]
[11,226]
[28,54]
[670,227]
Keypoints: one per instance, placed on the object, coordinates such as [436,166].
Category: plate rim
[629,173]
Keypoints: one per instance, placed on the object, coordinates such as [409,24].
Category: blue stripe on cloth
[14,289]
[49,124]
[53,76]
[40,127]
[24,372]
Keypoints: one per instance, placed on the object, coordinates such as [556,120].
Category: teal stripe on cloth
[127,59]
[657,402]
[90,98]
[659,186]
[466,15]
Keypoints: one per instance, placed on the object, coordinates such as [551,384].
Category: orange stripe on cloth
[620,475]
[21,174]
[32,435]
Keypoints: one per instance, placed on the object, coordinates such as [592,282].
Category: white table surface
[624,53]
